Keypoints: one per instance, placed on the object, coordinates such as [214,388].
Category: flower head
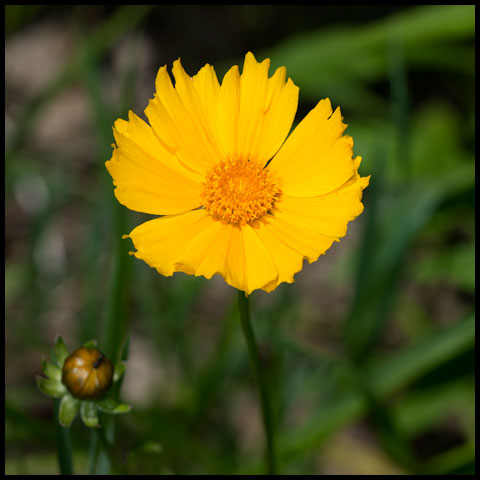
[82,381]
[235,196]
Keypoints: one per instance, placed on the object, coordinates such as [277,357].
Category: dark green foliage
[382,343]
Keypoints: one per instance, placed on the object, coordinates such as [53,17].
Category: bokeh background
[369,354]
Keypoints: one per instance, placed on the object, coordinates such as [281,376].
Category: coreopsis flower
[233,194]
[83,381]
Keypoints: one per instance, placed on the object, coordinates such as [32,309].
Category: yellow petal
[253,99]
[197,111]
[255,112]
[143,135]
[207,87]
[196,244]
[178,119]
[219,249]
[162,241]
[278,116]
[287,260]
[227,115]
[147,178]
[236,253]
[266,110]
[327,214]
[289,245]
[315,159]
[260,268]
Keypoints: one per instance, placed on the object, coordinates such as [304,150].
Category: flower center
[239,191]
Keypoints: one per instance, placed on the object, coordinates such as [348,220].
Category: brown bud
[87,373]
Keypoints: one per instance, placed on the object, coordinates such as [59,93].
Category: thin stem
[92,453]
[107,446]
[115,325]
[108,435]
[243,305]
[64,445]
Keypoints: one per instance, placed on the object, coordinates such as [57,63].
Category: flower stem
[107,446]
[64,445]
[243,305]
[92,453]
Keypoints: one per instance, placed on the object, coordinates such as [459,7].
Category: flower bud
[87,373]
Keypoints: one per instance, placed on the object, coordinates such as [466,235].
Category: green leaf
[151,447]
[321,59]
[393,222]
[410,364]
[90,344]
[50,387]
[59,352]
[88,412]
[118,371]
[386,377]
[425,408]
[342,62]
[51,371]
[449,462]
[454,265]
[109,405]
[121,408]
[437,132]
[69,407]
[125,349]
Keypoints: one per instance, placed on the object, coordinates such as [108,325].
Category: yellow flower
[235,197]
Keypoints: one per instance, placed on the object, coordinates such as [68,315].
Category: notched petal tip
[232,71]
[338,117]
[357,161]
[251,65]
[120,125]
[132,116]
[365,182]
[162,80]
[178,67]
[249,59]
[291,84]
[325,101]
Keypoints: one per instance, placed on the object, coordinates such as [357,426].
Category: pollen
[239,191]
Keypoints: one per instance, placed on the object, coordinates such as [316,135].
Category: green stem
[243,305]
[107,446]
[116,321]
[64,445]
[92,452]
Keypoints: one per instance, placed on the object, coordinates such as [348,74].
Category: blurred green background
[369,354]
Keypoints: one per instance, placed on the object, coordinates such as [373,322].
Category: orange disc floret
[239,191]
